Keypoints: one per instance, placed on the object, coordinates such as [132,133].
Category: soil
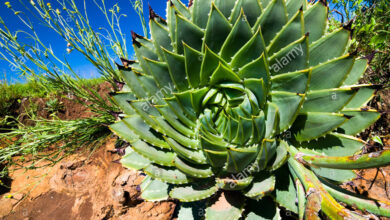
[81,187]
[96,186]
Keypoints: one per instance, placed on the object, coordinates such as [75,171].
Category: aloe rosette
[240,108]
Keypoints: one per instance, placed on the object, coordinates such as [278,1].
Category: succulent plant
[241,108]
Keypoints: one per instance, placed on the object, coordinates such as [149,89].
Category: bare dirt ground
[81,187]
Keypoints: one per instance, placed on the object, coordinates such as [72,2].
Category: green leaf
[272,20]
[360,121]
[161,157]
[328,100]
[143,131]
[291,58]
[285,192]
[263,209]
[177,71]
[133,160]
[209,63]
[235,182]
[288,105]
[227,206]
[223,74]
[193,62]
[195,156]
[339,176]
[290,33]
[200,12]
[293,6]
[122,100]
[132,81]
[194,170]
[334,145]
[239,158]
[225,7]
[313,125]
[291,82]
[154,190]
[123,131]
[240,34]
[257,69]
[188,33]
[167,175]
[194,192]
[316,18]
[329,46]
[258,88]
[357,71]
[191,211]
[252,10]
[272,120]
[370,205]
[262,184]
[249,52]
[217,30]
[362,97]
[281,156]
[160,36]
[335,72]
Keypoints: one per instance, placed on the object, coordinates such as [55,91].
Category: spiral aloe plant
[240,108]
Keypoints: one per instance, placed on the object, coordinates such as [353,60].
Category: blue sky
[80,64]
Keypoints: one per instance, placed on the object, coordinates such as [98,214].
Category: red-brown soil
[81,187]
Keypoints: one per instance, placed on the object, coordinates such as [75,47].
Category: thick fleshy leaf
[194,170]
[328,100]
[358,69]
[239,158]
[335,71]
[257,69]
[272,19]
[262,184]
[288,105]
[133,160]
[167,174]
[177,71]
[123,131]
[161,157]
[252,10]
[235,182]
[154,190]
[292,58]
[316,18]
[291,82]
[209,63]
[360,121]
[373,206]
[324,49]
[363,161]
[263,209]
[228,205]
[291,32]
[223,74]
[194,192]
[192,210]
[285,192]
[364,95]
[313,125]
[249,52]
[143,131]
[217,30]
[193,62]
[200,12]
[281,156]
[188,33]
[240,34]
[334,145]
